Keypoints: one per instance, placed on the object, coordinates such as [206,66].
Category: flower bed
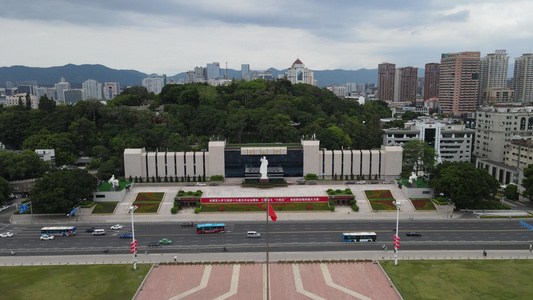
[423,204]
[308,206]
[380,199]
[148,202]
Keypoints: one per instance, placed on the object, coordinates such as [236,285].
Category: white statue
[412,177]
[263,168]
[113,181]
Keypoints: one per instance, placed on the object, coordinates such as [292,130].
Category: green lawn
[462,279]
[104,207]
[71,282]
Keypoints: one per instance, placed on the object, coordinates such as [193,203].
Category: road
[283,236]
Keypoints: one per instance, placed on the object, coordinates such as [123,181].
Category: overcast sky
[173,36]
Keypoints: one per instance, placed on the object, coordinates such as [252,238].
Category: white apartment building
[493,77]
[154,83]
[92,89]
[60,87]
[452,142]
[14,100]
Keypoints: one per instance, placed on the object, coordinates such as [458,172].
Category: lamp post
[133,241]
[397,238]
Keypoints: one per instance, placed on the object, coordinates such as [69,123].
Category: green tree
[5,190]
[417,156]
[46,104]
[511,192]
[61,190]
[527,182]
[462,182]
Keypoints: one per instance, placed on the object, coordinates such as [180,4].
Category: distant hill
[74,74]
[77,74]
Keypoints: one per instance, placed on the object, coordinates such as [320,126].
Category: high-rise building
[72,96]
[154,83]
[111,90]
[48,91]
[459,82]
[245,72]
[523,78]
[213,70]
[60,87]
[92,89]
[431,80]
[408,78]
[492,76]
[386,72]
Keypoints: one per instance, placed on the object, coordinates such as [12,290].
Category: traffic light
[396,241]
[133,246]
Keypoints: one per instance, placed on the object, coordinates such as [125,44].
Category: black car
[90,230]
[412,233]
[154,244]
[187,224]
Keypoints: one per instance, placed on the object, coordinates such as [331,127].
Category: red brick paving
[168,281]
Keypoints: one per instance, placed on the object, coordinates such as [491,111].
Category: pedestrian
[484,253]
[175,258]
[530,247]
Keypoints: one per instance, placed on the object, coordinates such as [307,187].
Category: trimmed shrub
[174,210]
[332,207]
[355,208]
[197,210]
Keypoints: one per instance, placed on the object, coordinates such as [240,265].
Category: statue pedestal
[264,180]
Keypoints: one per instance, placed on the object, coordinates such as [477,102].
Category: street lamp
[396,237]
[133,240]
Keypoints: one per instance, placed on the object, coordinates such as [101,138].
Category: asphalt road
[283,236]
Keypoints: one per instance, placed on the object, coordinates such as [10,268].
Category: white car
[6,234]
[46,237]
[200,184]
[116,227]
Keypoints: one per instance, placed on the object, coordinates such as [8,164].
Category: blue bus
[355,237]
[211,228]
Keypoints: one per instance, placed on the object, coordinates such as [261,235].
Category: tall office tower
[111,89]
[213,70]
[492,76]
[154,83]
[459,82]
[431,80]
[245,72]
[92,89]
[200,74]
[72,96]
[408,78]
[386,81]
[299,73]
[523,78]
[48,91]
[60,87]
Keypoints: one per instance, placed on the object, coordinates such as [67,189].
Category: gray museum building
[284,160]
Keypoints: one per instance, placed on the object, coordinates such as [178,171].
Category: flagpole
[267,258]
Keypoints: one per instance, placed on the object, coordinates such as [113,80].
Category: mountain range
[76,74]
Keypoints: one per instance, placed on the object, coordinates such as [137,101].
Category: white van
[253,234]
[99,232]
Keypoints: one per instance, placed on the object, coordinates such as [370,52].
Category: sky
[174,36]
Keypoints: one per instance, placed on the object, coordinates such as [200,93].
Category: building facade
[299,73]
[459,82]
[245,72]
[408,84]
[431,80]
[72,96]
[295,160]
[452,142]
[213,71]
[60,87]
[386,74]
[24,99]
[493,77]
[523,79]
[111,90]
[92,89]
[154,83]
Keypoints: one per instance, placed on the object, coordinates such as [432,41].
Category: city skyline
[170,37]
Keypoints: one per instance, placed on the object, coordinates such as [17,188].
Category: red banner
[263,199]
